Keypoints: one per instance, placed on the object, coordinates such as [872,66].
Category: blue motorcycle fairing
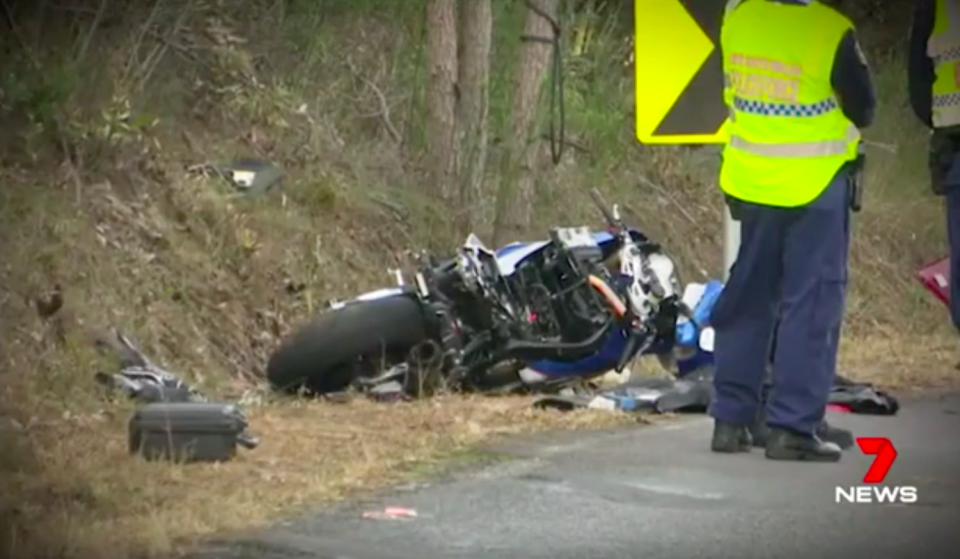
[688,337]
[688,333]
[510,256]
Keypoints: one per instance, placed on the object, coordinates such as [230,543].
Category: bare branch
[384,112]
[97,19]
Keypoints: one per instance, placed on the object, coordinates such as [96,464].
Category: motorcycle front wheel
[325,354]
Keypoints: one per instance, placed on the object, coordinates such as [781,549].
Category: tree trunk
[517,187]
[441,125]
[476,27]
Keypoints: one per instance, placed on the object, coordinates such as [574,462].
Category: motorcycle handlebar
[603,207]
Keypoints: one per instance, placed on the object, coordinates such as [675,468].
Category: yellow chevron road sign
[679,73]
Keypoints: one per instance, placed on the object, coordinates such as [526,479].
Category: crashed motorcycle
[538,314]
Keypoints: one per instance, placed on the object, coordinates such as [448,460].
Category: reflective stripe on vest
[788,134]
[942,44]
[943,48]
[946,110]
[822,148]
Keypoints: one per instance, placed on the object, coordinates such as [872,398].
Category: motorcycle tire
[321,357]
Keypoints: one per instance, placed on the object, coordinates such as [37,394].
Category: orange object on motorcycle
[615,302]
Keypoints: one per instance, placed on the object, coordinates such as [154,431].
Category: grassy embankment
[199,278]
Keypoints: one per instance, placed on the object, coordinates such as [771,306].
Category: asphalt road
[653,493]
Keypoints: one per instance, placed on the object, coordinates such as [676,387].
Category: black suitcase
[188,431]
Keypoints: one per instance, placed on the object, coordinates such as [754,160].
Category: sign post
[731,242]
[679,82]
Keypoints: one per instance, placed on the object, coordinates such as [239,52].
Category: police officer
[798,89]
[933,72]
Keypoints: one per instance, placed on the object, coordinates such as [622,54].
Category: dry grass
[86,497]
[200,280]
[902,362]
[71,489]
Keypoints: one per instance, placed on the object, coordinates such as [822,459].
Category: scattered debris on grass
[83,495]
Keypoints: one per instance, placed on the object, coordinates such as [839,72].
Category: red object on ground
[390,513]
[936,278]
[838,408]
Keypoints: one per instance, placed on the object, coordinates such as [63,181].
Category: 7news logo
[872,491]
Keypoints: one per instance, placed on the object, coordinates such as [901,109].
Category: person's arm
[852,83]
[920,73]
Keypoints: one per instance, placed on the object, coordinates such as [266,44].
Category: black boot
[826,432]
[835,435]
[759,431]
[788,445]
[729,438]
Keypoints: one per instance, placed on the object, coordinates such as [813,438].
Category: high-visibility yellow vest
[943,48]
[788,135]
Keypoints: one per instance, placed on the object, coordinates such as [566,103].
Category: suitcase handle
[247,440]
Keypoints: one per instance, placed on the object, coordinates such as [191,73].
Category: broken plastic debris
[602,403]
[243,178]
[390,513]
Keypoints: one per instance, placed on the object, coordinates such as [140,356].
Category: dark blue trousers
[790,273]
[953,235]
[952,186]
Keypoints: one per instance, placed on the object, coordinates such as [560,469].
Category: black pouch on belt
[856,179]
[943,148]
[735,206]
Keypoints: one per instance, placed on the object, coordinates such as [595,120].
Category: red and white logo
[872,491]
